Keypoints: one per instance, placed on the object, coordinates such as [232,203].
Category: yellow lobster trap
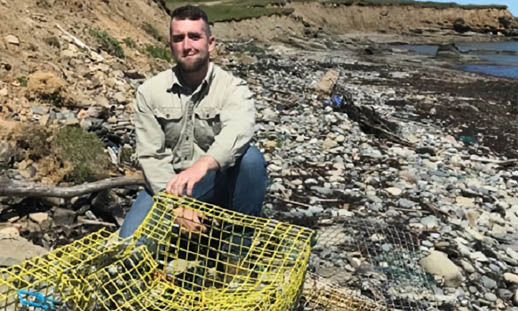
[233,262]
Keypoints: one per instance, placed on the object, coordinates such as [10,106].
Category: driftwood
[371,122]
[27,189]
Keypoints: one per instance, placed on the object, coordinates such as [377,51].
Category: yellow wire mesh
[237,262]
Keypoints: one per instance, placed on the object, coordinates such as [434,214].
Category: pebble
[511,278]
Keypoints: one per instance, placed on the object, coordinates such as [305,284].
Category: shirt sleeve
[154,158]
[237,118]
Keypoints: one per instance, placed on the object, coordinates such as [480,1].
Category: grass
[108,43]
[23,80]
[130,43]
[158,52]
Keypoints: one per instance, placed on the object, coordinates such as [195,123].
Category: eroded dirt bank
[419,24]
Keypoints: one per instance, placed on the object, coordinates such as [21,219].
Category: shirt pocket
[207,126]
[170,119]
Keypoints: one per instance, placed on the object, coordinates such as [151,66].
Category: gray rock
[405,203]
[488,282]
[490,297]
[504,294]
[430,221]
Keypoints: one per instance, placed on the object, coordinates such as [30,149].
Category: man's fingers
[190,186]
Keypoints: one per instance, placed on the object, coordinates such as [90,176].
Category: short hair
[193,13]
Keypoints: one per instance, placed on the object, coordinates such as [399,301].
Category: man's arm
[187,178]
[153,157]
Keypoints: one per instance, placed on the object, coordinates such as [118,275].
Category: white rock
[12,40]
[394,191]
[511,278]
[39,218]
[438,263]
[467,266]
[478,256]
[465,202]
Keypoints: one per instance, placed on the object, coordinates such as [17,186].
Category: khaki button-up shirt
[175,126]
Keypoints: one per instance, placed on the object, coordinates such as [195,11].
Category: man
[194,124]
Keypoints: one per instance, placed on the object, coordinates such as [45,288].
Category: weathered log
[27,189]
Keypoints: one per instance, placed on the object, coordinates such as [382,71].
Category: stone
[512,253]
[394,191]
[8,232]
[7,152]
[478,256]
[504,294]
[465,202]
[488,283]
[19,250]
[511,277]
[490,296]
[4,92]
[39,218]
[63,216]
[405,203]
[44,120]
[270,144]
[327,82]
[329,143]
[467,266]
[438,263]
[430,222]
[10,39]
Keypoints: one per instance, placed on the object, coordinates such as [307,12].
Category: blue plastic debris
[335,102]
[38,300]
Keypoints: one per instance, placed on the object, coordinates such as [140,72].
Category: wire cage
[320,295]
[233,262]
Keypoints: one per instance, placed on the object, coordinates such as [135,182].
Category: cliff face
[391,19]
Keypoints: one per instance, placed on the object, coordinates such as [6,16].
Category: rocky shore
[405,167]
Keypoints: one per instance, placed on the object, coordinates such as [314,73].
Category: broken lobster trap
[235,262]
[383,261]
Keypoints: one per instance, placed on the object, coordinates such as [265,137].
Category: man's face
[190,44]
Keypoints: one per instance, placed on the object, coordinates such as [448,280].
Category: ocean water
[497,58]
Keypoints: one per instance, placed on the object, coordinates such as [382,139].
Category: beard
[196,65]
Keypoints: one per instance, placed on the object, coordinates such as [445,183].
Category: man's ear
[212,44]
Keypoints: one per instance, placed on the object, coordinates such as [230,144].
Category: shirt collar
[178,88]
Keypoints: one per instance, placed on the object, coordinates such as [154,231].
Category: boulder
[438,263]
[16,250]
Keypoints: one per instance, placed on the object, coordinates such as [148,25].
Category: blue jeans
[240,188]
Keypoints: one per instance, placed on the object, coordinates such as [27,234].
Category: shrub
[158,52]
[130,43]
[108,43]
[23,80]
[84,151]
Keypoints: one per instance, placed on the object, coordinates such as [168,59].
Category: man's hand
[189,219]
[185,180]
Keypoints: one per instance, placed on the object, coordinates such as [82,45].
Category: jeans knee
[253,158]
